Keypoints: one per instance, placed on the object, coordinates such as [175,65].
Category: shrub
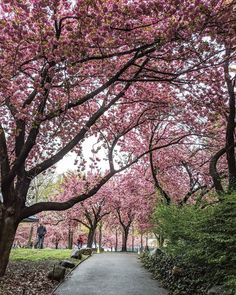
[201,241]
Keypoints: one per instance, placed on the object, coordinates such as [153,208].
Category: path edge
[61,282]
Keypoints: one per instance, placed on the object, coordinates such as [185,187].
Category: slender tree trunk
[70,239]
[132,239]
[141,242]
[116,244]
[161,240]
[56,244]
[29,243]
[100,236]
[146,246]
[8,227]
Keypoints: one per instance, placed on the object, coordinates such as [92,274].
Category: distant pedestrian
[41,232]
[80,242]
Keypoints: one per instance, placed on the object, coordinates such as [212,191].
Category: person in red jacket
[80,242]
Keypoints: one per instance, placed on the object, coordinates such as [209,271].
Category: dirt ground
[27,278]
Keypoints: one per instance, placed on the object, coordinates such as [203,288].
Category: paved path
[110,274]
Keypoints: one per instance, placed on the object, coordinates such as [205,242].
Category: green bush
[181,228]
[190,281]
[203,241]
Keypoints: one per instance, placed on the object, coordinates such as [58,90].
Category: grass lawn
[28,269]
[39,254]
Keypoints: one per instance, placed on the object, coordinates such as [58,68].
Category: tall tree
[64,68]
[132,202]
[90,212]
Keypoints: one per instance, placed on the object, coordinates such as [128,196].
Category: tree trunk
[161,241]
[124,239]
[56,244]
[95,240]
[70,239]
[91,237]
[8,227]
[141,242]
[29,243]
[230,128]
[132,239]
[146,246]
[100,236]
[116,244]
[214,173]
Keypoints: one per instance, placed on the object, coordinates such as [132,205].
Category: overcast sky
[67,163]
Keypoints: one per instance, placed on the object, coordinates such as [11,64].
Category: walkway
[110,274]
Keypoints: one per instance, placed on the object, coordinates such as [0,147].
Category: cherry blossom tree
[131,203]
[65,67]
[111,233]
[90,212]
[228,148]
[25,235]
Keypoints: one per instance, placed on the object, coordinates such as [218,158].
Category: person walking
[41,232]
[80,242]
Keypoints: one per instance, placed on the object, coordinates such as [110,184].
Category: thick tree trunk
[214,173]
[230,128]
[91,237]
[124,239]
[8,227]
[95,240]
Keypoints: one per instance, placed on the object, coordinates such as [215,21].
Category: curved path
[110,274]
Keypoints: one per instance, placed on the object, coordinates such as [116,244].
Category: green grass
[39,254]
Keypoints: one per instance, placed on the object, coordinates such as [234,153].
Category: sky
[67,163]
